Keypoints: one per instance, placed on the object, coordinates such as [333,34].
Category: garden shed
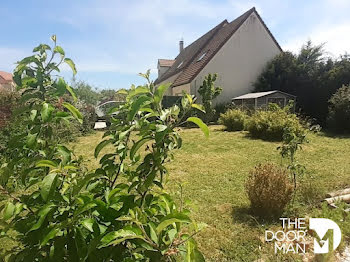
[260,100]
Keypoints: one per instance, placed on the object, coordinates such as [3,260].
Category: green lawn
[213,171]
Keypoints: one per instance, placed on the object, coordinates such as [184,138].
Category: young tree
[57,210]
[209,92]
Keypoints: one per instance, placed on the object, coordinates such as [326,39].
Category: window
[201,57]
[180,64]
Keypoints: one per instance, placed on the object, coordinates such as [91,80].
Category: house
[236,51]
[6,81]
[260,100]
[7,86]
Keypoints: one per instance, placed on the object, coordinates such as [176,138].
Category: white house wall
[240,61]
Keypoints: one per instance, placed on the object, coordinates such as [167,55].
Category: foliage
[216,185]
[233,119]
[86,93]
[309,75]
[268,189]
[220,108]
[272,124]
[118,212]
[339,110]
[292,142]
[208,92]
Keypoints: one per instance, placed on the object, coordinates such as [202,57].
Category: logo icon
[321,226]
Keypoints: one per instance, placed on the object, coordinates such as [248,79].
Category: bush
[113,213]
[233,119]
[268,189]
[271,124]
[339,110]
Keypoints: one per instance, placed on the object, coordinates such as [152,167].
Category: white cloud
[9,56]
[336,38]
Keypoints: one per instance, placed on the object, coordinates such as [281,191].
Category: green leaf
[137,91]
[160,91]
[59,50]
[46,112]
[153,233]
[172,218]
[75,112]
[88,224]
[48,186]
[70,90]
[65,153]
[199,107]
[122,92]
[116,237]
[70,62]
[161,128]
[192,252]
[50,236]
[137,146]
[41,47]
[46,163]
[136,106]
[85,208]
[9,210]
[189,97]
[200,124]
[101,145]
[31,140]
[42,215]
[33,114]
[53,38]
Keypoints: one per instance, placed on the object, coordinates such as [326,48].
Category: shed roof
[259,94]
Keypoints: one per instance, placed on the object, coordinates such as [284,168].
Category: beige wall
[240,61]
[169,80]
[177,90]
[162,70]
[7,87]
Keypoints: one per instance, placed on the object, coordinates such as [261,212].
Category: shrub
[268,189]
[271,124]
[208,92]
[339,110]
[118,212]
[233,119]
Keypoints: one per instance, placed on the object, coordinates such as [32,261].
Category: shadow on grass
[245,215]
[334,135]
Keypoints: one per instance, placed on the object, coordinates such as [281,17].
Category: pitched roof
[6,76]
[259,94]
[196,56]
[166,62]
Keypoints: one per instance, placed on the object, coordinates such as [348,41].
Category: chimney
[181,45]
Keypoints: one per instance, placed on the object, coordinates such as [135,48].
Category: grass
[213,171]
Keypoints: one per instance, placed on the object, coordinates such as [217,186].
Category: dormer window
[180,64]
[201,57]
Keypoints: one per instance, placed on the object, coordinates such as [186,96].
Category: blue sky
[112,41]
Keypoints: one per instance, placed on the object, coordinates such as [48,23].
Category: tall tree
[309,75]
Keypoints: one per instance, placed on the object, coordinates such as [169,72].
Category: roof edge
[247,13]
[218,27]
[268,30]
